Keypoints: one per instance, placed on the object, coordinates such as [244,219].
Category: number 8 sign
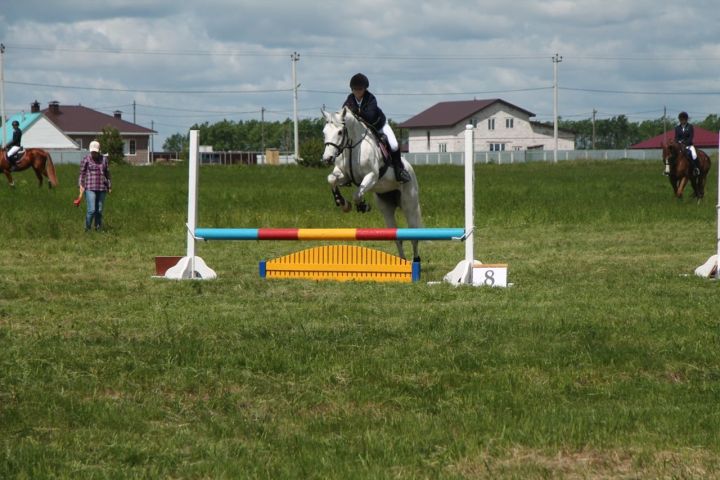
[490,274]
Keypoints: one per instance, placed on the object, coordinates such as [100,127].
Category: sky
[183,63]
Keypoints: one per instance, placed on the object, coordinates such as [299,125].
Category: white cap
[95,146]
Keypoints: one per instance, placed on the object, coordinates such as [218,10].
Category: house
[499,126]
[39,132]
[84,125]
[702,139]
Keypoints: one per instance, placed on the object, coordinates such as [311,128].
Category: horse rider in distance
[684,133]
[364,105]
[14,146]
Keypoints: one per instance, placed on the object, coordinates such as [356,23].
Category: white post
[2,93]
[713,263]
[191,267]
[193,173]
[295,58]
[469,199]
[717,258]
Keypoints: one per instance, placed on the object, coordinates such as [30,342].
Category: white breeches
[13,150]
[692,150]
[390,136]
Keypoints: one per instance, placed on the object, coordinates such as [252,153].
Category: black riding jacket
[684,134]
[368,110]
[16,139]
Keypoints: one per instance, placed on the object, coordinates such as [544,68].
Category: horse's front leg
[10,180]
[681,187]
[335,179]
[368,182]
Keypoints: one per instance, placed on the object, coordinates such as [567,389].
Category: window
[491,124]
[474,122]
[509,123]
[497,147]
[129,147]
[442,147]
[428,141]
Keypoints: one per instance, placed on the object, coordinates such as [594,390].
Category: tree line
[253,135]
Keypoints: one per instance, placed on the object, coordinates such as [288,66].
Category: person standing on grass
[94,183]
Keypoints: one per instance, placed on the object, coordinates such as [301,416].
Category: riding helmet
[359,81]
[683,116]
[15,123]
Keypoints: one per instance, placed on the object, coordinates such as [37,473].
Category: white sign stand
[471,271]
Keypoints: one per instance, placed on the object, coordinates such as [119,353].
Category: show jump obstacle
[339,262]
[711,268]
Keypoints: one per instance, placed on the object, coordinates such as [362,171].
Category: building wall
[142,150]
[43,134]
[521,134]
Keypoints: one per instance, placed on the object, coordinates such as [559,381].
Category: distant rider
[684,133]
[363,103]
[14,145]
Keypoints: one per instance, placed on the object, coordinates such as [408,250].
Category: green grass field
[600,362]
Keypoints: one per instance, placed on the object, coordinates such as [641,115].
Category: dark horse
[38,159]
[678,158]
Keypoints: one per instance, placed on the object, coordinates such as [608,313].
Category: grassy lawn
[600,362]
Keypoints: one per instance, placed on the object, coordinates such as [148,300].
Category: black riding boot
[401,175]
[696,167]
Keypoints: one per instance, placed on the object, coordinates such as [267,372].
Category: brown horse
[678,158]
[38,159]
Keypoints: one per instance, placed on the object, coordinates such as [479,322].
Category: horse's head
[670,150]
[335,136]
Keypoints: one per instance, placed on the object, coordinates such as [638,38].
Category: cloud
[415,53]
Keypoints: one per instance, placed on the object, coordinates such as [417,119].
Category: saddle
[16,156]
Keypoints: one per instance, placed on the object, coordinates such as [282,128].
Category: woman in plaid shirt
[94,182]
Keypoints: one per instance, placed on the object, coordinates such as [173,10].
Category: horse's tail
[50,169]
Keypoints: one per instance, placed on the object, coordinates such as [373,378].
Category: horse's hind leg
[10,180]
[387,207]
[38,174]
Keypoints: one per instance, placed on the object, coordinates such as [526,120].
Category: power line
[148,90]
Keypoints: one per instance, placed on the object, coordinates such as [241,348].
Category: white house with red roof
[499,126]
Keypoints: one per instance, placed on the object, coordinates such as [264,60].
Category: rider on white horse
[14,145]
[363,104]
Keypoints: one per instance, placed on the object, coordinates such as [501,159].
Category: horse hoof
[347,207]
[416,259]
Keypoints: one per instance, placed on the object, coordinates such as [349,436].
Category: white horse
[352,147]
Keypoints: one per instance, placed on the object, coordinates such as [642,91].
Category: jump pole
[192,267]
[712,266]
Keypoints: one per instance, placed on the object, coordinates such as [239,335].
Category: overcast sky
[188,63]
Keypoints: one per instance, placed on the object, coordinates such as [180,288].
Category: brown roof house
[83,125]
[702,139]
[499,126]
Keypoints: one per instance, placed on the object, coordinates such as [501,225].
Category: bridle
[342,146]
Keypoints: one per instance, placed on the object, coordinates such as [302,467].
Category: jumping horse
[677,158]
[38,159]
[352,147]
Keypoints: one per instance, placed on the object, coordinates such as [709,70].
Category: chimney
[35,107]
[54,107]
[117,114]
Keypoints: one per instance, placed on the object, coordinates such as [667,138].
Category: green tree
[311,151]
[112,144]
[177,143]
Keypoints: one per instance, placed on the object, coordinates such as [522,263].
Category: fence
[525,156]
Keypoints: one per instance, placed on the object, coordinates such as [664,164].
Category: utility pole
[556,59]
[593,128]
[295,57]
[262,132]
[665,123]
[2,92]
[134,113]
[151,158]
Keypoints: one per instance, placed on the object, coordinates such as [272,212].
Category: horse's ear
[325,114]
[344,112]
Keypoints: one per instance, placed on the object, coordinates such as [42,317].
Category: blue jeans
[95,200]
